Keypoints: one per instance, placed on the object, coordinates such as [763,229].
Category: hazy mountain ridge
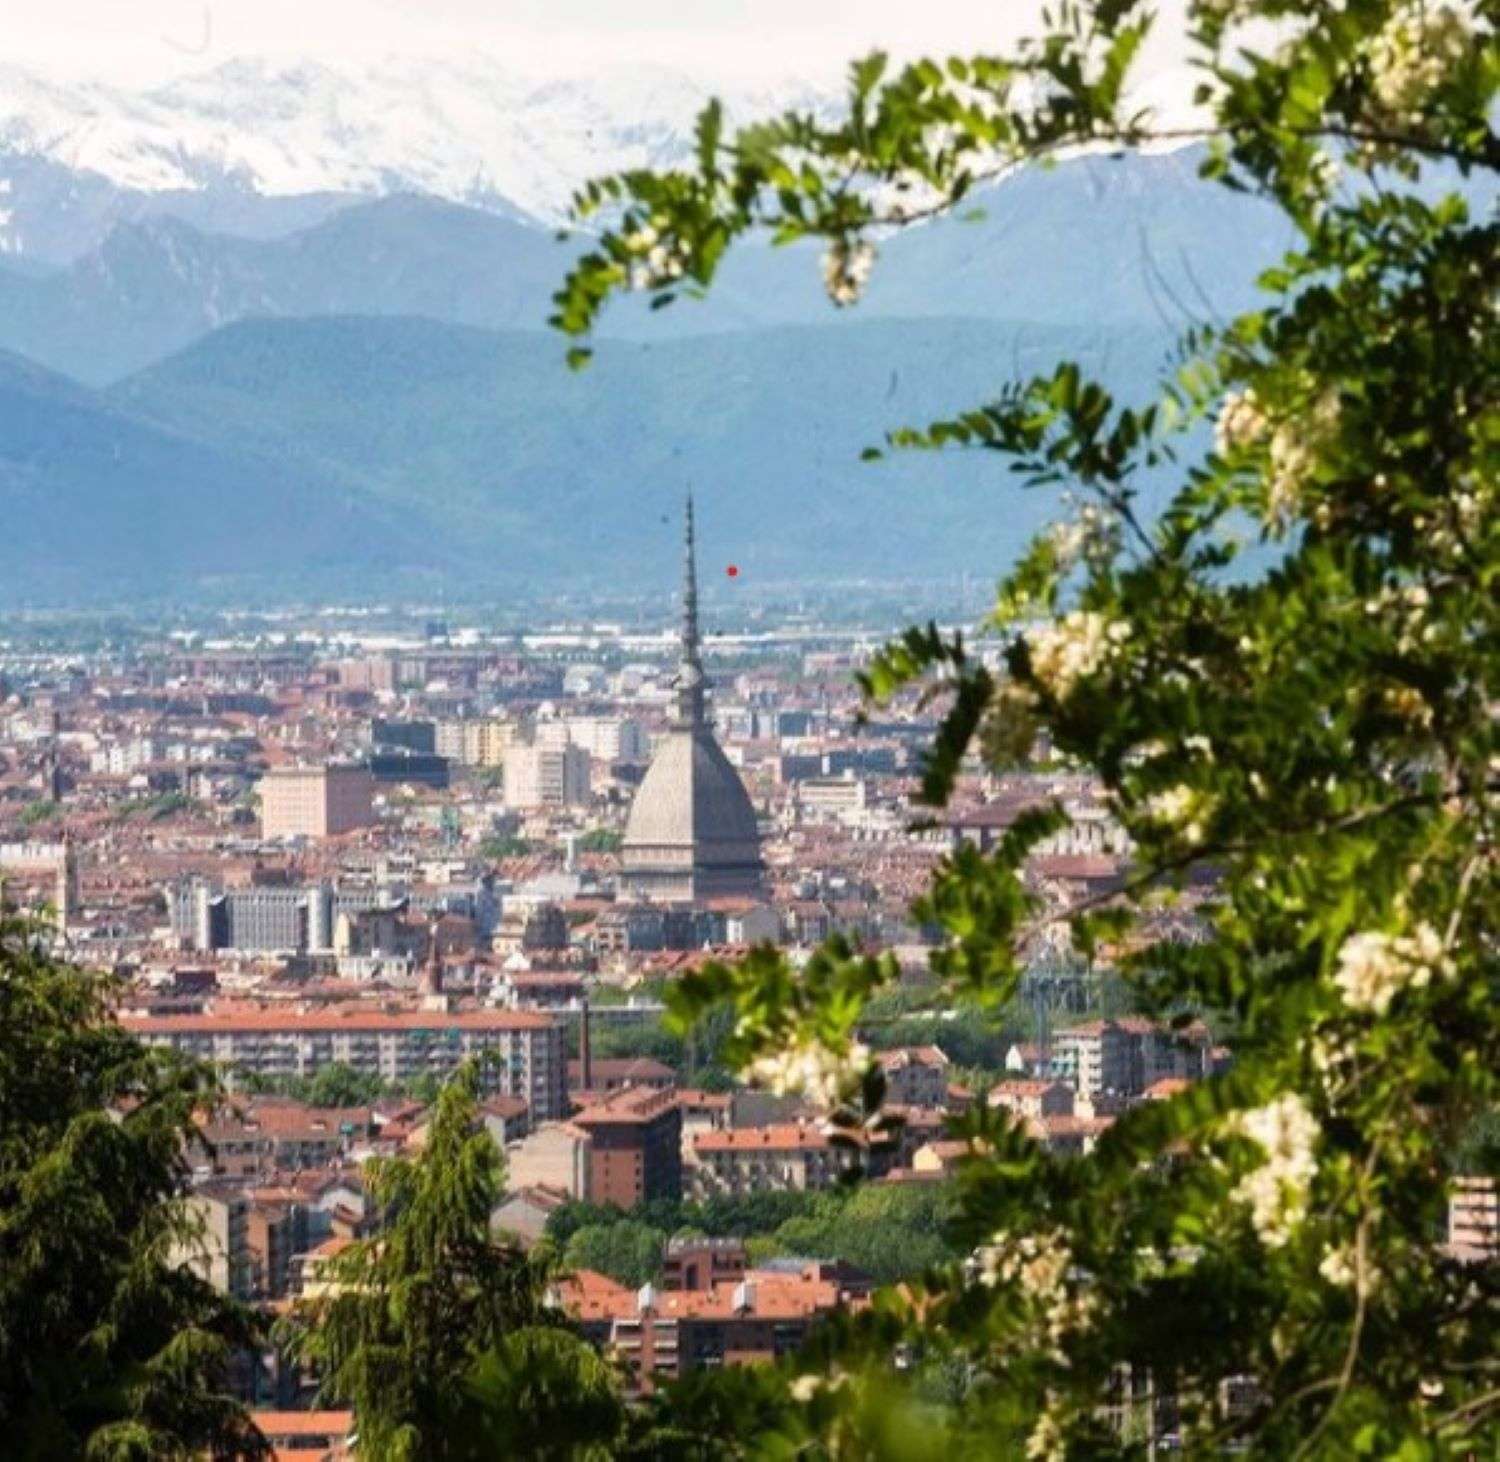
[101,505]
[1094,241]
[322,294]
[551,475]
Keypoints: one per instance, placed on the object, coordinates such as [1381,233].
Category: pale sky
[141,40]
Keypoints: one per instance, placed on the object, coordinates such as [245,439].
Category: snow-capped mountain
[472,131]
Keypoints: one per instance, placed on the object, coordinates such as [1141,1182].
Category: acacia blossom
[1180,807]
[1073,648]
[1037,1265]
[809,1068]
[1296,445]
[1277,1191]
[1046,1443]
[1412,55]
[1241,422]
[846,269]
[1374,967]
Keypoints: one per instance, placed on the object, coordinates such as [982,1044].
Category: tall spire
[690,664]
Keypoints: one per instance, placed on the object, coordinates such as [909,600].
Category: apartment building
[1128,1055]
[219,1254]
[609,738]
[556,1157]
[778,1158]
[1474,1217]
[636,1145]
[546,776]
[260,1134]
[265,917]
[915,1076]
[759,1318]
[1033,1098]
[320,1436]
[478,743]
[522,1051]
[315,802]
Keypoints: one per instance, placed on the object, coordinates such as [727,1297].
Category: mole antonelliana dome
[691,834]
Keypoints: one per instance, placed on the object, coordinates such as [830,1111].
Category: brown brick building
[637,1146]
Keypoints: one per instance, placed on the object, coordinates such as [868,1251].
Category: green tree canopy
[628,1251]
[109,1346]
[419,1328]
[1313,723]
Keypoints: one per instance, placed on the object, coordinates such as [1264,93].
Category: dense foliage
[340,1085]
[433,1329]
[109,1347]
[890,1232]
[1257,1262]
[628,1250]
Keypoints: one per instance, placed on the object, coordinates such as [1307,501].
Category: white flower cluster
[1410,58]
[653,262]
[1338,1267]
[1374,968]
[1463,515]
[1410,607]
[1181,808]
[1276,1192]
[846,269]
[805,1387]
[1296,445]
[1073,648]
[1089,532]
[811,1069]
[1037,1265]
[1046,1443]
[1241,422]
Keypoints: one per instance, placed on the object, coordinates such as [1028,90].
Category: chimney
[744,1297]
[585,1049]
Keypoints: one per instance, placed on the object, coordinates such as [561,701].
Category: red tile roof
[779,1137]
[334,1019]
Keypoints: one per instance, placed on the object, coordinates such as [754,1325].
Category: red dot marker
[733,571]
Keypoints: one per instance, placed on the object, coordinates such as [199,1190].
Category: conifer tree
[111,1347]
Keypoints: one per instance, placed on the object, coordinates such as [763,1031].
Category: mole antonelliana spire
[689,682]
[691,834]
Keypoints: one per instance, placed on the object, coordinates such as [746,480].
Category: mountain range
[473,459]
[1096,241]
[208,145]
[282,330]
[101,506]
